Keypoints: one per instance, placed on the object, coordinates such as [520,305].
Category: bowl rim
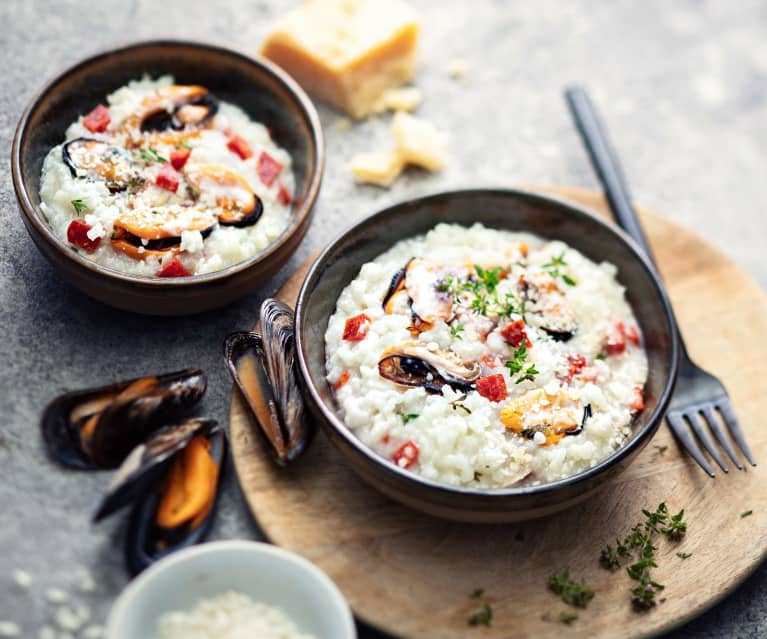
[128,596]
[301,212]
[647,428]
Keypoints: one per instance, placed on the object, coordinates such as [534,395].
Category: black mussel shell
[147,462]
[263,369]
[121,425]
[241,219]
[127,421]
[163,120]
[146,542]
[559,336]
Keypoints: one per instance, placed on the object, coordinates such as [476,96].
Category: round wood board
[411,575]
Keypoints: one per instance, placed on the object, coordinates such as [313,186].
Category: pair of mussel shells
[263,368]
[168,466]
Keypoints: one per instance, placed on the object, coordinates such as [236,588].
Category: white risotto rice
[85,199]
[500,359]
[231,615]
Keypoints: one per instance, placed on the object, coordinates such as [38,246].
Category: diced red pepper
[77,234]
[385,439]
[283,196]
[341,380]
[356,328]
[174,268]
[268,168]
[492,387]
[616,338]
[576,363]
[179,156]
[637,403]
[632,335]
[406,454]
[97,120]
[167,178]
[240,146]
[515,333]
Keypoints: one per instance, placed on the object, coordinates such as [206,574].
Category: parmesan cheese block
[418,141]
[347,52]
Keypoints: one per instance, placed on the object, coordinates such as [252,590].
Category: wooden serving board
[410,574]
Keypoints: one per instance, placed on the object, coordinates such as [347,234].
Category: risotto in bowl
[486,355]
[168,177]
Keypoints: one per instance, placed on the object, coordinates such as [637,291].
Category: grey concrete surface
[682,85]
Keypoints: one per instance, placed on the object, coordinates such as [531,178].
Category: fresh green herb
[600,356]
[746,513]
[570,591]
[684,555]
[456,330]
[456,404]
[553,267]
[185,144]
[639,542]
[661,449]
[530,373]
[567,617]
[136,182]
[482,618]
[477,593]
[480,304]
[79,206]
[150,155]
[517,365]
[490,277]
[409,417]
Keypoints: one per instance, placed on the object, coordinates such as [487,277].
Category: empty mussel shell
[263,369]
[97,428]
[148,461]
[167,519]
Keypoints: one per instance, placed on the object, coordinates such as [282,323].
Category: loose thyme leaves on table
[661,449]
[477,593]
[638,545]
[570,591]
[684,555]
[483,617]
[746,513]
[567,617]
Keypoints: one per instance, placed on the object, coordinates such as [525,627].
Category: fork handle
[606,163]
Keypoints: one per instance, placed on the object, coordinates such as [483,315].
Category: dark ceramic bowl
[259,87]
[502,209]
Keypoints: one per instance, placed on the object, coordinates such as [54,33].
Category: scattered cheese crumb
[86,583]
[400,99]
[23,579]
[56,595]
[67,619]
[457,69]
[343,124]
[9,629]
[379,167]
[46,632]
[419,142]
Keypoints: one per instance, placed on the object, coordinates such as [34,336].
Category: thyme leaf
[409,417]
[570,591]
[79,205]
[746,513]
[482,618]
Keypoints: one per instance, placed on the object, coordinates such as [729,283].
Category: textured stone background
[682,86]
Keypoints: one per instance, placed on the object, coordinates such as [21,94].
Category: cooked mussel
[157,231]
[263,369]
[413,364]
[548,309]
[555,415]
[227,192]
[97,428]
[91,158]
[173,481]
[178,107]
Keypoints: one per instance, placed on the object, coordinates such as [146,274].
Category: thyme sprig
[638,543]
[150,155]
[554,268]
[575,593]
[516,365]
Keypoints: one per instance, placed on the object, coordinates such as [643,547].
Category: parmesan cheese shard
[347,52]
[379,167]
[400,99]
[418,141]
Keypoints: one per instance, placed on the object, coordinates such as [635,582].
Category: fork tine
[683,436]
[713,424]
[704,438]
[732,423]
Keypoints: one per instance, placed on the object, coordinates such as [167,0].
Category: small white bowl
[261,571]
